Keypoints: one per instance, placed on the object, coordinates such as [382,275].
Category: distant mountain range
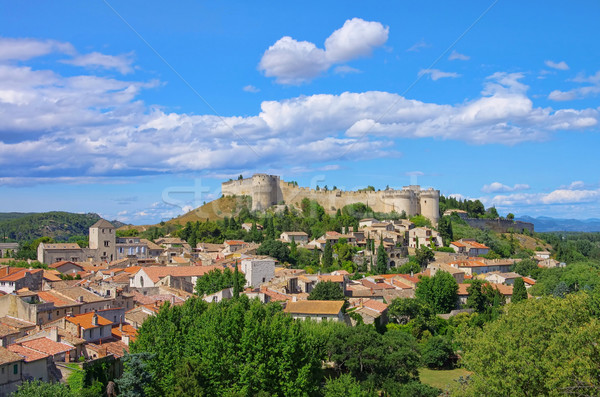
[547,224]
[60,226]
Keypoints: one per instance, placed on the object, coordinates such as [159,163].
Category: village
[87,306]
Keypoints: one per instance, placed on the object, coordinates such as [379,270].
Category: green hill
[58,225]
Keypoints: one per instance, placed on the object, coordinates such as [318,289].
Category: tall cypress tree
[236,282]
[327,255]
[382,259]
[519,291]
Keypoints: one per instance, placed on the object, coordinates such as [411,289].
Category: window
[16,369]
[106,243]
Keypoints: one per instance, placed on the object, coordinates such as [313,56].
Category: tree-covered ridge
[57,225]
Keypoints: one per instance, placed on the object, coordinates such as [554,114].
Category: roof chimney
[54,334]
[95,319]
[121,327]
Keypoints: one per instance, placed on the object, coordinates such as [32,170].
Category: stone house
[258,270]
[13,279]
[11,370]
[67,267]
[298,237]
[469,247]
[423,236]
[316,310]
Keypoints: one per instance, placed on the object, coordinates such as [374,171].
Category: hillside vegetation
[60,226]
[216,209]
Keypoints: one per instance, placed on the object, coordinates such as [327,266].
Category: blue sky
[138,110]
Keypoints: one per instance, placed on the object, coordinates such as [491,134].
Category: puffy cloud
[574,194]
[562,65]
[454,55]
[17,49]
[436,74]
[580,92]
[251,88]
[121,63]
[54,126]
[294,62]
[495,187]
[418,46]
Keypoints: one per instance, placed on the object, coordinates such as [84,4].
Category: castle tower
[264,191]
[103,241]
[430,205]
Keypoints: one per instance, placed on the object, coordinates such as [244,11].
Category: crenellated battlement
[268,190]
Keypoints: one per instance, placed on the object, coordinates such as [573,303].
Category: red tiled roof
[372,285]
[158,272]
[85,320]
[529,281]
[128,330]
[61,263]
[47,346]
[6,356]
[49,296]
[28,354]
[332,278]
[235,242]
[375,305]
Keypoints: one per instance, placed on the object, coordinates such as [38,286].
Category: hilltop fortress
[267,190]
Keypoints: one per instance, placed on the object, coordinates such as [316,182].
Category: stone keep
[267,190]
[258,270]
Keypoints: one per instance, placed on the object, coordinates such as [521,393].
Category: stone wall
[268,190]
[500,225]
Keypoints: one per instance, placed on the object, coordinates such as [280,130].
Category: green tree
[519,291]
[510,216]
[42,389]
[217,280]
[238,281]
[540,347]
[445,229]
[345,386]
[423,256]
[136,376]
[238,346]
[327,291]
[439,291]
[382,259]
[420,221]
[438,352]
[275,249]
[327,259]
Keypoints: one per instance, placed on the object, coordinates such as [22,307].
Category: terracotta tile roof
[151,245]
[16,322]
[128,330]
[50,296]
[51,275]
[372,285]
[19,274]
[28,354]
[398,284]
[234,242]
[102,223]
[158,272]
[529,280]
[114,347]
[469,263]
[332,278]
[61,263]
[6,356]
[462,289]
[48,346]
[375,305]
[85,320]
[314,307]
[275,296]
[75,292]
[458,244]
[5,330]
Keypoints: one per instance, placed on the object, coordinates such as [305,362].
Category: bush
[438,353]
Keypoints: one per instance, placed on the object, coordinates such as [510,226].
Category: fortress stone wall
[268,190]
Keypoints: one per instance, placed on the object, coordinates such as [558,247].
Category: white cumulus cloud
[496,187]
[458,56]
[436,74]
[293,62]
[579,92]
[121,63]
[562,65]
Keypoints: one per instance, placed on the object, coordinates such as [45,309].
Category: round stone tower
[264,191]
[430,205]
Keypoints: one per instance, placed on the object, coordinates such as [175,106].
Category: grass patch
[442,378]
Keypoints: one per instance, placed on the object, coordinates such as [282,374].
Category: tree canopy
[439,291]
